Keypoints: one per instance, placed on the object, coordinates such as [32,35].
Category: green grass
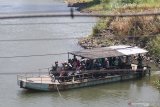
[103,5]
[154,47]
[109,5]
[100,25]
[123,27]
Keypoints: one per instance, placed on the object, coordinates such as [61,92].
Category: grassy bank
[109,5]
[141,31]
[124,30]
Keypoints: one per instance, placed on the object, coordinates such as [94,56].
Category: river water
[109,95]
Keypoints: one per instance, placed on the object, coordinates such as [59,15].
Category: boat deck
[39,79]
[46,79]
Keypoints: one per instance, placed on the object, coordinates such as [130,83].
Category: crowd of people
[76,65]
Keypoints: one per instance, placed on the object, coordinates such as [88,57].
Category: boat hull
[76,84]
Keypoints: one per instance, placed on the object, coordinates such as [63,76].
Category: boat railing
[42,79]
[101,74]
[43,74]
[39,76]
[43,71]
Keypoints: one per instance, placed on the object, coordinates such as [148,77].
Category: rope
[32,55]
[58,91]
[42,15]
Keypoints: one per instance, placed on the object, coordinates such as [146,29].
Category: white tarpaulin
[119,47]
[112,51]
[128,50]
[131,50]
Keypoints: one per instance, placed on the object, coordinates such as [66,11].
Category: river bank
[140,31]
[11,95]
[36,28]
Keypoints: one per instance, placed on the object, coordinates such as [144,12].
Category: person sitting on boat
[106,63]
[82,60]
[97,64]
[62,74]
[116,62]
[101,62]
[82,66]
[55,72]
[56,64]
[53,69]
[65,66]
[69,66]
[74,65]
[77,73]
[140,59]
[89,64]
[122,62]
[74,58]
[70,63]
[78,63]
[128,62]
[110,61]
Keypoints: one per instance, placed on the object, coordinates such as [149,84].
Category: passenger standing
[139,59]
[87,64]
[78,63]
[116,62]
[113,61]
[56,65]
[74,62]
[128,59]
[110,61]
[97,65]
[82,64]
[106,63]
[74,58]
[74,65]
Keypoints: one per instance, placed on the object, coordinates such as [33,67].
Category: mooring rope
[58,91]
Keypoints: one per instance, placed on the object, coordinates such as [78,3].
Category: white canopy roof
[128,50]
[112,51]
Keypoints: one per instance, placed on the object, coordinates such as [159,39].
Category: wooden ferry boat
[96,66]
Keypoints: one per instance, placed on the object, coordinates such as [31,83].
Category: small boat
[89,67]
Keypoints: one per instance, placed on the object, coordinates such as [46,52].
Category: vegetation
[105,5]
[100,26]
[136,26]
[154,47]
[124,30]
[122,27]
